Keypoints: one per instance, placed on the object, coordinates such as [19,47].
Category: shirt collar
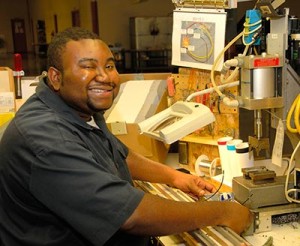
[52,100]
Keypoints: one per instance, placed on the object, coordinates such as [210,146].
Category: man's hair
[59,41]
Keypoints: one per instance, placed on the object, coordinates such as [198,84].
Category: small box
[5,117]
[122,119]
[4,121]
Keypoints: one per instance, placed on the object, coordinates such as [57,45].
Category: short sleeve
[83,192]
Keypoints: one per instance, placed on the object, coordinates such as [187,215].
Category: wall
[12,9]
[113,16]
[46,9]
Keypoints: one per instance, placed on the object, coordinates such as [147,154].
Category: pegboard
[189,81]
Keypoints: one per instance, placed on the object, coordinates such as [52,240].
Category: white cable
[287,192]
[253,24]
[292,130]
[218,60]
[241,34]
[246,25]
[256,29]
[210,90]
[235,71]
[230,103]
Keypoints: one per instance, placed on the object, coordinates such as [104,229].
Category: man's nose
[102,76]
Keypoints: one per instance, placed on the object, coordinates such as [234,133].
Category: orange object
[171,86]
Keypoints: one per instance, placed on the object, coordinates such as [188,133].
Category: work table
[282,234]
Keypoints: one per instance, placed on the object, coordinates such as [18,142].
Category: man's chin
[100,108]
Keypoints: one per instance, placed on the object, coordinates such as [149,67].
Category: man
[67,182]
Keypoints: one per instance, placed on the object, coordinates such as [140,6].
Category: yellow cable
[198,58]
[295,109]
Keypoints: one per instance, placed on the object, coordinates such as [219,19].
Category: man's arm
[145,169]
[158,216]
[142,168]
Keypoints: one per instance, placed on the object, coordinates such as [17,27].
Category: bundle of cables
[249,36]
[291,194]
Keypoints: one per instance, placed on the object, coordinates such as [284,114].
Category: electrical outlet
[119,128]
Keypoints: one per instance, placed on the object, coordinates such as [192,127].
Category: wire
[287,166]
[218,60]
[246,25]
[210,90]
[204,29]
[241,34]
[197,57]
[289,191]
[295,108]
[235,71]
[247,199]
[207,198]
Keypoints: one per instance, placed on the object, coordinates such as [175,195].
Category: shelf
[193,138]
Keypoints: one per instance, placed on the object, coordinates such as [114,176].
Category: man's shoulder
[34,113]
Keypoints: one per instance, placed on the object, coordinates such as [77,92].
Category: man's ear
[54,78]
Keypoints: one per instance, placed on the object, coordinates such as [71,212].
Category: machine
[268,81]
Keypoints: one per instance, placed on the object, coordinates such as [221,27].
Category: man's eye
[89,66]
[110,66]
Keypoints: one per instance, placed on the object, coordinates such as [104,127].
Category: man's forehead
[86,45]
[84,49]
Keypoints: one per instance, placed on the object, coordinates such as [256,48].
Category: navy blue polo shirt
[62,181]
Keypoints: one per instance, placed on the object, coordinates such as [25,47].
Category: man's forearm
[157,216]
[145,169]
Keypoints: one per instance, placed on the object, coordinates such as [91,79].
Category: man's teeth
[99,90]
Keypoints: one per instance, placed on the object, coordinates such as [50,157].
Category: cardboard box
[129,133]
[7,90]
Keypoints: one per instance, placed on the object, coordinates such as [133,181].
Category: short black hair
[59,41]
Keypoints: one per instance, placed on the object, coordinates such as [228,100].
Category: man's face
[89,81]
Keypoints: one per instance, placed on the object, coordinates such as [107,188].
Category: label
[7,102]
[266,62]
[278,145]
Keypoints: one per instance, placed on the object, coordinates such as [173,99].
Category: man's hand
[192,184]
[236,216]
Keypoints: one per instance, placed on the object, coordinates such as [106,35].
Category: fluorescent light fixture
[177,121]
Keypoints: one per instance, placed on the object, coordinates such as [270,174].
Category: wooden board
[204,140]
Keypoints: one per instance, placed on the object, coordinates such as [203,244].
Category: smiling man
[67,181]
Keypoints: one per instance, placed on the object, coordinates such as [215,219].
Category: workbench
[285,234]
